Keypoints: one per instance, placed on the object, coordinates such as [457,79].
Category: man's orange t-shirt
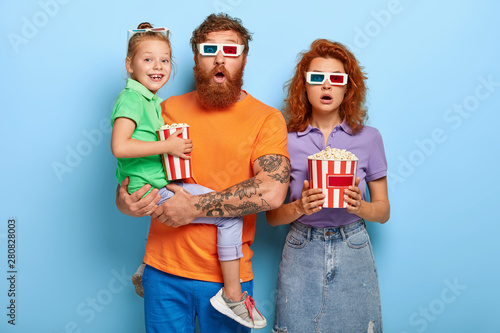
[225,145]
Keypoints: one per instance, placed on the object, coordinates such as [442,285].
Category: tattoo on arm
[247,188]
[212,202]
[247,208]
[277,166]
[270,163]
[283,176]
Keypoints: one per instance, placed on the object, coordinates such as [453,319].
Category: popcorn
[166,126]
[334,154]
[333,171]
[175,167]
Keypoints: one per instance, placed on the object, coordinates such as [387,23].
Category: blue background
[428,63]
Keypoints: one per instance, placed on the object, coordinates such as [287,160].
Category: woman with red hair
[328,280]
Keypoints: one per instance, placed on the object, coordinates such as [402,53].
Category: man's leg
[210,320]
[230,300]
[168,302]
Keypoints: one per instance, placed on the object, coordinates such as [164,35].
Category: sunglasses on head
[335,79]
[228,50]
[162,30]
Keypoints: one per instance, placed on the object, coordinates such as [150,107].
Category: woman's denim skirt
[328,281]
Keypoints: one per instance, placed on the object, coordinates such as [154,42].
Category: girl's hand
[311,200]
[178,146]
[353,197]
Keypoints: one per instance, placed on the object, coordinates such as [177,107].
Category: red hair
[220,22]
[298,110]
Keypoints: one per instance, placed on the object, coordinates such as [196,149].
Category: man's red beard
[218,95]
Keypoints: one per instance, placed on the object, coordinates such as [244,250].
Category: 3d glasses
[162,30]
[228,50]
[335,79]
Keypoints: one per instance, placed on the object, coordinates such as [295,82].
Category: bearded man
[240,152]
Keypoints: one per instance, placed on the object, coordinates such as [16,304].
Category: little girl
[135,119]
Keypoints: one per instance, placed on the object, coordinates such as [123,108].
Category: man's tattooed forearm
[212,202]
[247,208]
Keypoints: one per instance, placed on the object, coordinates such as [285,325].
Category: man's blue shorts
[171,304]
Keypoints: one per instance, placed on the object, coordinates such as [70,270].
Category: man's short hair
[220,22]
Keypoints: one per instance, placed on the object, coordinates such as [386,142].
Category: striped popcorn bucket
[333,177]
[175,167]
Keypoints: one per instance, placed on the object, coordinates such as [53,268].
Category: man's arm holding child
[265,191]
[134,204]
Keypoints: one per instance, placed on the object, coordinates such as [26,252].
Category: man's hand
[178,210]
[265,191]
[132,204]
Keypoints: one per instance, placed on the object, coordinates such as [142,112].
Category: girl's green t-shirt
[139,104]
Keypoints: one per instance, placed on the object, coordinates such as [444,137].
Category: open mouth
[156,77]
[326,99]
[219,77]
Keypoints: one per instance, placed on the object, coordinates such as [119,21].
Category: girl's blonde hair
[138,38]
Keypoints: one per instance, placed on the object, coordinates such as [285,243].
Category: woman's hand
[353,197]
[310,201]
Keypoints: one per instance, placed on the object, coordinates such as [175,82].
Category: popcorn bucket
[175,167]
[333,177]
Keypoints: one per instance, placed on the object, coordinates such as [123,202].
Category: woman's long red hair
[298,110]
